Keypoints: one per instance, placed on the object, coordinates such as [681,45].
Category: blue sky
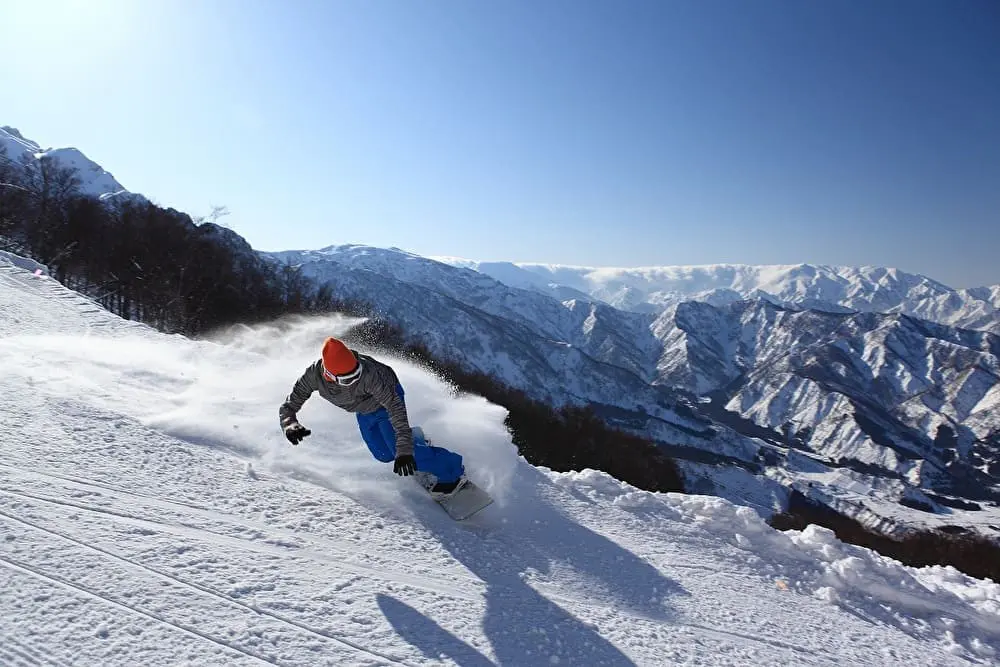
[595,133]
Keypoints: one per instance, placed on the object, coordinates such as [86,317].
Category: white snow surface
[151,513]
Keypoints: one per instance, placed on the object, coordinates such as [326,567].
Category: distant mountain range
[832,288]
[871,390]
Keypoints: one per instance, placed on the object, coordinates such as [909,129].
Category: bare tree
[13,198]
[214,215]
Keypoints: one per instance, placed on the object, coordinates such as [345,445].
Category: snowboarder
[360,384]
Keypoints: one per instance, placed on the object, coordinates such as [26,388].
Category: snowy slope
[150,513]
[94,180]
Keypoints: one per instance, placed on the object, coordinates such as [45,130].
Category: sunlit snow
[151,513]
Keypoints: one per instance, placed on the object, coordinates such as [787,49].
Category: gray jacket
[376,389]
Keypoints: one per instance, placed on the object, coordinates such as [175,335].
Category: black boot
[446,488]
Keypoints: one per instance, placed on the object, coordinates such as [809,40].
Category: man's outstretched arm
[287,413]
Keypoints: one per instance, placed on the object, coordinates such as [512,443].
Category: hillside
[151,513]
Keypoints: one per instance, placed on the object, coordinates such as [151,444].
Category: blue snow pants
[377,431]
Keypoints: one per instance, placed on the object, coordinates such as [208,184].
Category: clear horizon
[587,134]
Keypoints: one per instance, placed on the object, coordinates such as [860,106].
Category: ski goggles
[346,379]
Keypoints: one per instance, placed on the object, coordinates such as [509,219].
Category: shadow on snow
[532,537]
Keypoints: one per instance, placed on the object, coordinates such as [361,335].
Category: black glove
[404,465]
[295,432]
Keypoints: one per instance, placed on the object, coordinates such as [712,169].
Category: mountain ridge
[94,179]
[817,286]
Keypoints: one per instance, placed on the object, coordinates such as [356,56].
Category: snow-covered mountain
[151,513]
[832,288]
[94,180]
[976,308]
[912,399]
[883,416]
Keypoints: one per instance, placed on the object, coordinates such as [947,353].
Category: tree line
[963,549]
[141,261]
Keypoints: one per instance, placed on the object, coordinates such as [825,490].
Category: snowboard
[465,502]
[461,504]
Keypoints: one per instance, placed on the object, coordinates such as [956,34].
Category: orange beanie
[337,359]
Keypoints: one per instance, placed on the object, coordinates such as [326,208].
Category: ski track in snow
[151,513]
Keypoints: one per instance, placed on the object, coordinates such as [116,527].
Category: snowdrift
[152,513]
